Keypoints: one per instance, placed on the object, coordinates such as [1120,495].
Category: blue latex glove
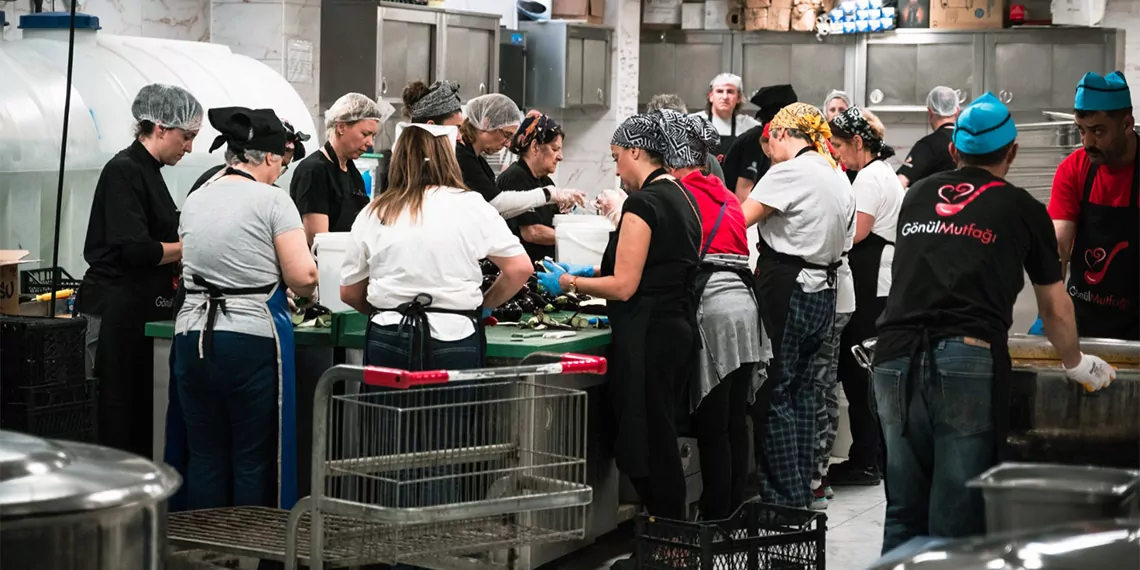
[577,270]
[1038,328]
[486,313]
[548,280]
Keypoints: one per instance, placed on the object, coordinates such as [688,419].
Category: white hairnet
[352,107]
[942,101]
[167,106]
[727,79]
[836,94]
[492,112]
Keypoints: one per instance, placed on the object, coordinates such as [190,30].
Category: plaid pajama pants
[789,447]
[825,369]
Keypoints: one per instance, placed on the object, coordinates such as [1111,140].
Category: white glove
[1093,373]
[609,203]
[566,198]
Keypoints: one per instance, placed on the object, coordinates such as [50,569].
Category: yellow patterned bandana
[807,119]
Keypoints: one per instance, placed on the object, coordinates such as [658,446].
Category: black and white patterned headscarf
[441,100]
[688,138]
[852,122]
[641,131]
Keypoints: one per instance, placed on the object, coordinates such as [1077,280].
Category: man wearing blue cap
[1094,206]
[965,237]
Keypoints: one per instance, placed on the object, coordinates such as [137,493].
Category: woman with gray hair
[674,102]
[132,250]
[233,353]
[327,188]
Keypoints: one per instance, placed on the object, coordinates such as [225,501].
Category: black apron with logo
[630,321]
[725,143]
[1104,268]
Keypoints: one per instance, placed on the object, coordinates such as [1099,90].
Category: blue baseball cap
[1103,93]
[984,126]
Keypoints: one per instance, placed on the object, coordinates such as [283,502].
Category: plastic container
[38,351]
[581,239]
[109,70]
[758,536]
[1022,496]
[329,249]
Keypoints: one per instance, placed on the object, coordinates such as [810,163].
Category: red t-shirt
[731,236]
[1111,186]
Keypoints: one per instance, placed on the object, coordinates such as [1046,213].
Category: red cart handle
[403,379]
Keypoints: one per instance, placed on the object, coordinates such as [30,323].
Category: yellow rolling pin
[61,294]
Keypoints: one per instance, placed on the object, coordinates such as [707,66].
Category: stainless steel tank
[73,506]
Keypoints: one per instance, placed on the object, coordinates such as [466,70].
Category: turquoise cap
[1103,93]
[984,126]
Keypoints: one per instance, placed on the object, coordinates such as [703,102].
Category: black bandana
[441,100]
[688,138]
[641,131]
[294,139]
[245,129]
[535,127]
[852,122]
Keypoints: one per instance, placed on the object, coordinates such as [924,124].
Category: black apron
[415,320]
[725,143]
[353,199]
[864,259]
[1108,244]
[706,269]
[630,321]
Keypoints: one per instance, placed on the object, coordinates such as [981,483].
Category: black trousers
[866,434]
[667,343]
[722,435]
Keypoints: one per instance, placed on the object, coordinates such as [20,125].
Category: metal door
[682,62]
[406,46]
[471,54]
[810,66]
[575,68]
[595,55]
[1039,69]
[900,68]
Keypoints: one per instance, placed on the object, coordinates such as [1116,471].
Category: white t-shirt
[814,207]
[438,255]
[724,128]
[879,193]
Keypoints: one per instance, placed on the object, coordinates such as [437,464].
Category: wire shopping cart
[439,469]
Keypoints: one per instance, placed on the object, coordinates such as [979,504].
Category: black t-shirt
[205,177]
[669,210]
[132,215]
[518,177]
[319,186]
[746,159]
[964,239]
[930,155]
[477,173]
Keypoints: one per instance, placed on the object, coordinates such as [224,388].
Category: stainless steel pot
[73,506]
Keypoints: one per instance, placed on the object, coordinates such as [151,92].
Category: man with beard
[1095,214]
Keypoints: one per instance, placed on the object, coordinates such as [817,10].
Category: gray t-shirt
[227,230]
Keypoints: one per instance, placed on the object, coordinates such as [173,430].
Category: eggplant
[525,303]
[512,313]
[488,267]
[488,281]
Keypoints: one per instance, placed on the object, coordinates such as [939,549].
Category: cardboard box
[591,11]
[967,14]
[661,12]
[717,15]
[770,19]
[913,14]
[693,16]
[10,261]
[804,17]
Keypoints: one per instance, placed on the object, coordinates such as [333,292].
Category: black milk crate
[60,411]
[757,536]
[38,281]
[40,351]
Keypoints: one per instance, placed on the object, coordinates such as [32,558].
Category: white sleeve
[779,188]
[868,195]
[354,269]
[496,237]
[511,204]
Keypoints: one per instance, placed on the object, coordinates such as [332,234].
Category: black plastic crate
[758,536]
[58,412]
[38,281]
[39,351]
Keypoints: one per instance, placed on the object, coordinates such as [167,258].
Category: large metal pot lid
[38,476]
[1096,545]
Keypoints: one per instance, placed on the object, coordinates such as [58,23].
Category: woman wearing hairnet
[490,123]
[132,248]
[327,187]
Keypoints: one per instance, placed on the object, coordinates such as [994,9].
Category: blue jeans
[949,440]
[388,346]
[229,403]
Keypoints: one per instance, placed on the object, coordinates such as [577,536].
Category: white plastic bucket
[581,239]
[329,249]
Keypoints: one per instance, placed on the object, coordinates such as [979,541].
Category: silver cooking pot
[75,506]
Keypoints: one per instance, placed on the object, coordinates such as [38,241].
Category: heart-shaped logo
[951,193]
[1093,257]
